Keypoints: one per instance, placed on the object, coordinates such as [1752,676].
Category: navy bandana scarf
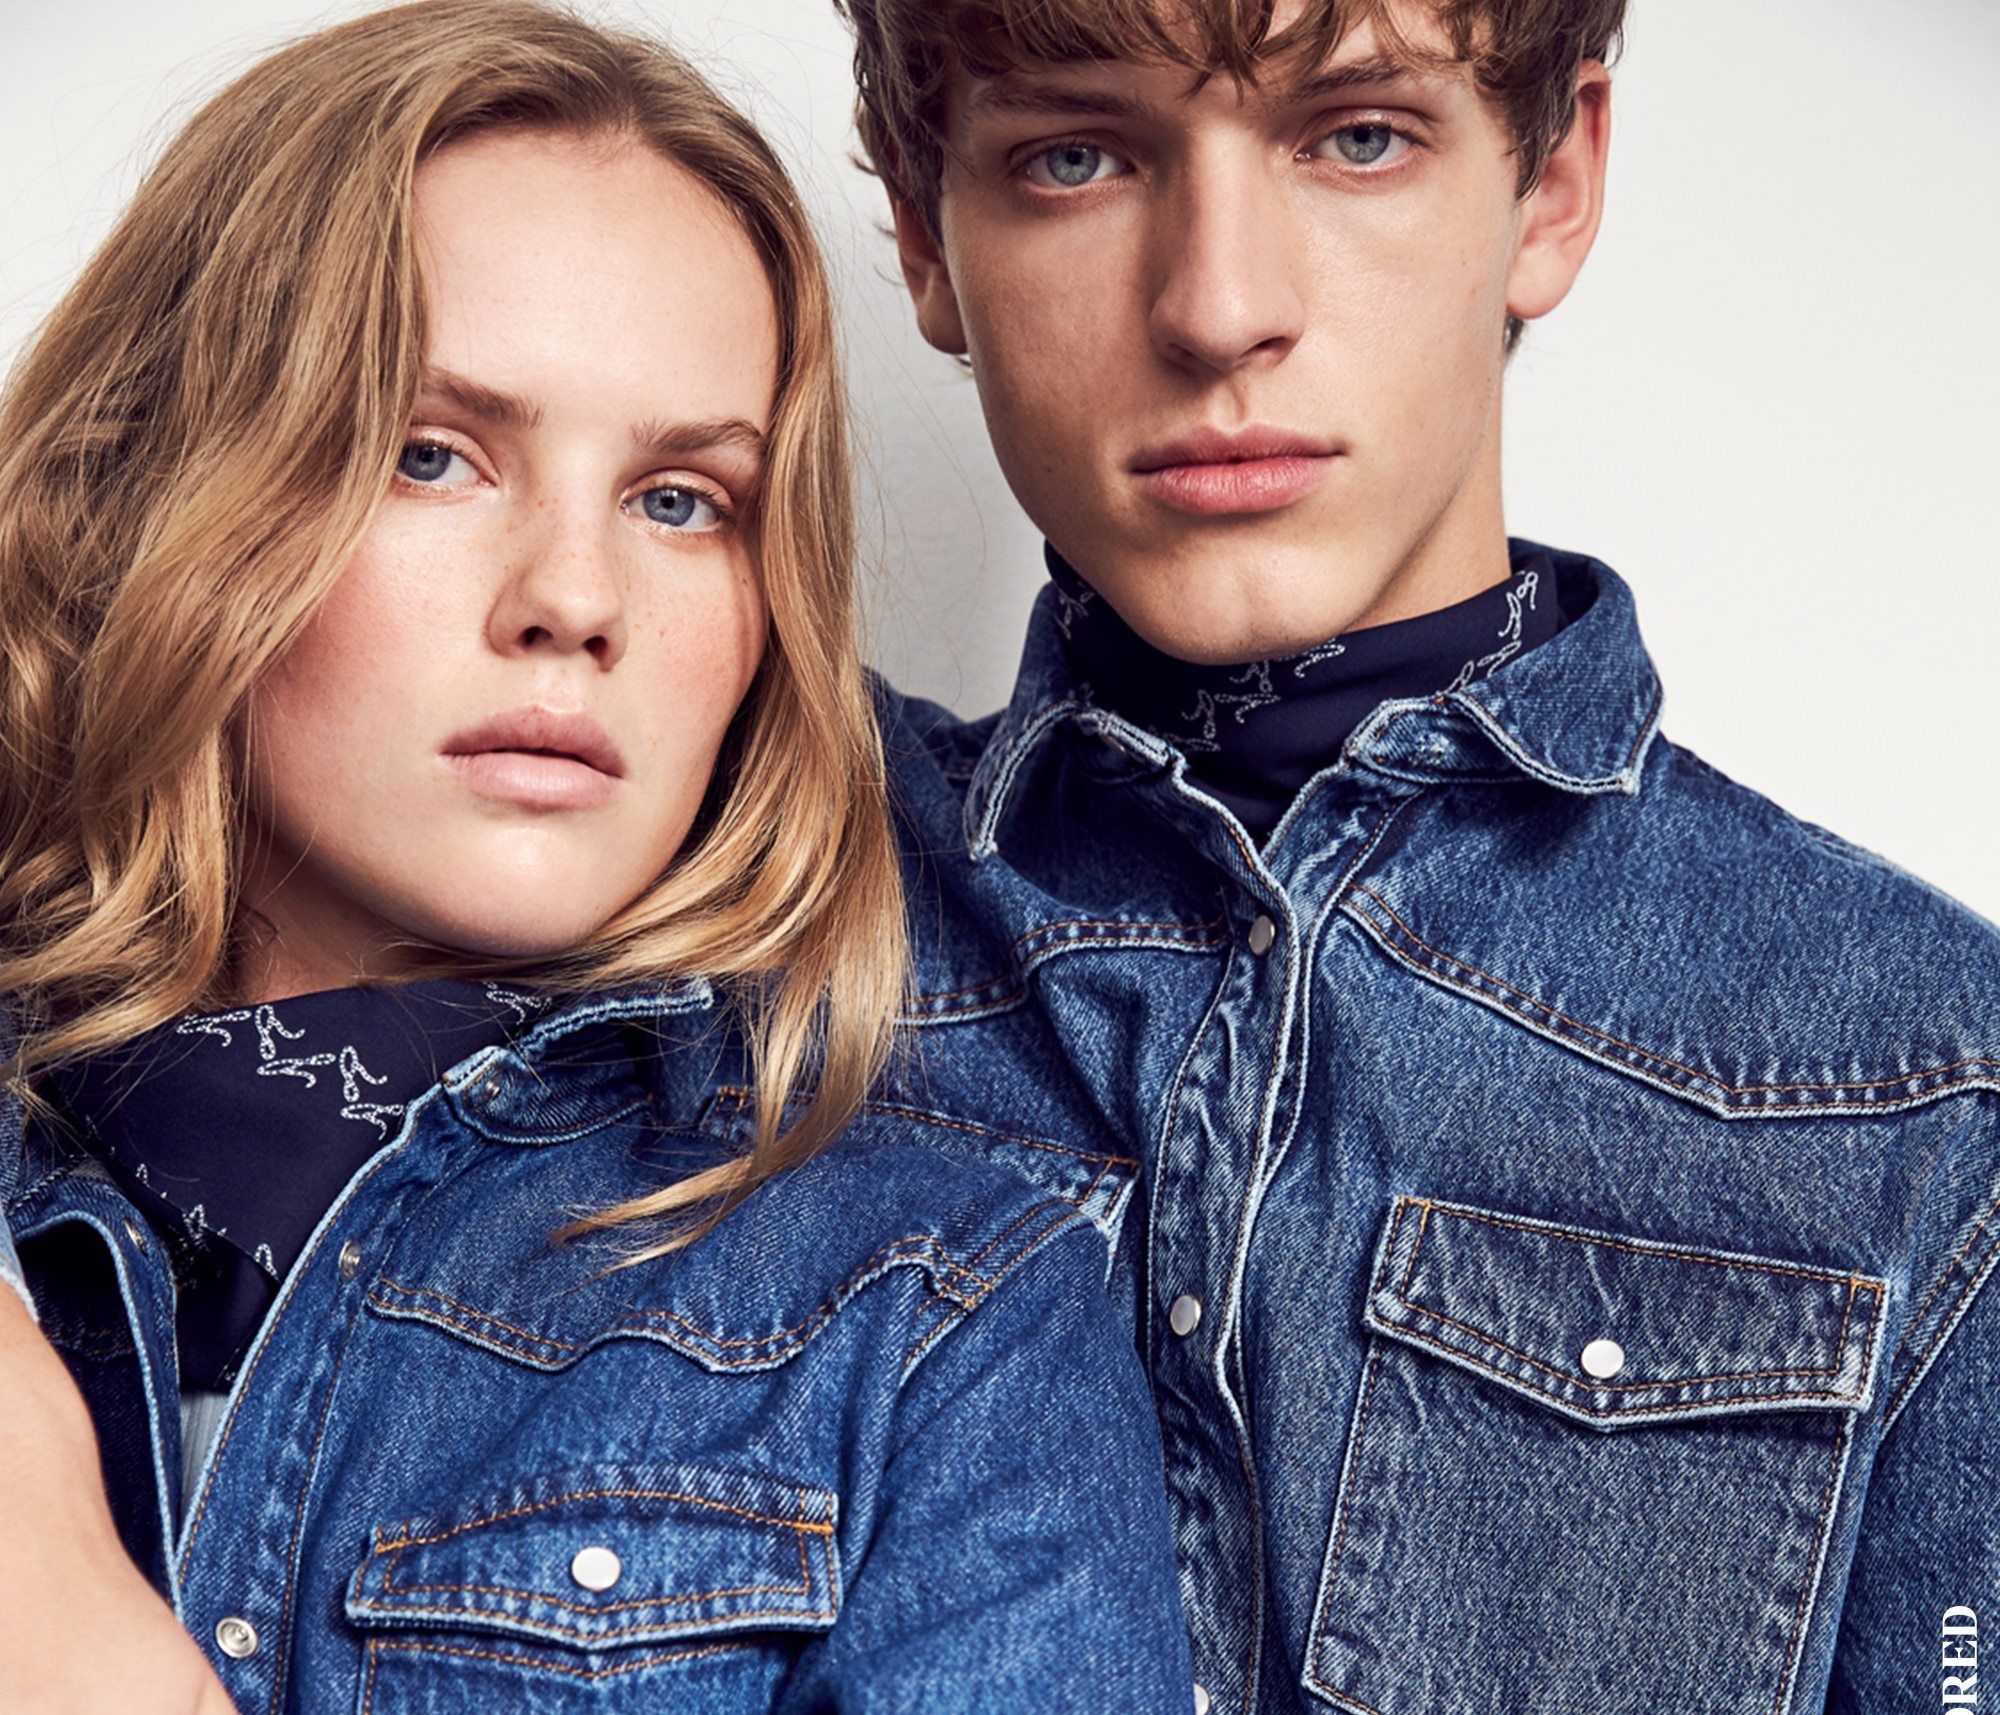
[235,1131]
[1254,734]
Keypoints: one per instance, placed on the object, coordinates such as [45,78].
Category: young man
[1568,1180]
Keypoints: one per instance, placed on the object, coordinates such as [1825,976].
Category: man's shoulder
[926,742]
[1780,881]
[1700,935]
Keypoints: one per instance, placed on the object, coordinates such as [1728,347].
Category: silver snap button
[596,1568]
[350,1260]
[1603,1359]
[1201,1700]
[1184,1314]
[1262,933]
[235,1637]
[489,1089]
[137,1235]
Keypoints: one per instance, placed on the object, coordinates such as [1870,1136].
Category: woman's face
[497,730]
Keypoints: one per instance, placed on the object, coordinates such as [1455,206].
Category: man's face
[1240,349]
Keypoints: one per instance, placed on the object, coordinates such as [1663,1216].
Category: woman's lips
[534,779]
[538,757]
[1238,486]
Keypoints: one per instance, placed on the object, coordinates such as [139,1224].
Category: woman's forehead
[552,264]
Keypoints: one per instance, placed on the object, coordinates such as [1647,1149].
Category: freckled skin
[1224,281]
[606,286]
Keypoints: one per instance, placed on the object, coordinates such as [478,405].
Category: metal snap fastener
[596,1568]
[137,1234]
[1184,1314]
[1262,933]
[1603,1359]
[489,1089]
[350,1260]
[1201,1700]
[235,1637]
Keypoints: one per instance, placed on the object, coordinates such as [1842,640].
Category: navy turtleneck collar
[1254,734]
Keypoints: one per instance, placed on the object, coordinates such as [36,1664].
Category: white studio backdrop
[1771,403]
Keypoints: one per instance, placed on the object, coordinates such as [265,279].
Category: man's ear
[1560,217]
[929,280]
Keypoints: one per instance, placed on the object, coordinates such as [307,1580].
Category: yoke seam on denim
[1728,1089]
[1074,1215]
[1964,1250]
[1973,1284]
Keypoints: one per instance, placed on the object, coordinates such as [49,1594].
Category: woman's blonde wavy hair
[188,454]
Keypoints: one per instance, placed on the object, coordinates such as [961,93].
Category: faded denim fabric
[1569,1181]
[878,1443]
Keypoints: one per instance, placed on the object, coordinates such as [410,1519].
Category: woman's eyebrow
[666,439]
[508,410]
[658,436]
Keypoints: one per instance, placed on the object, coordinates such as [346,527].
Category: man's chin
[1232,622]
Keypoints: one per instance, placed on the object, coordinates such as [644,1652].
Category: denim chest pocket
[1586,1471]
[610,1588]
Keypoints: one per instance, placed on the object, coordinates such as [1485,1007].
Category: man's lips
[542,758]
[1225,471]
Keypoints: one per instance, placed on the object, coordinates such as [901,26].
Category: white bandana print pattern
[383,1116]
[1520,603]
[1200,736]
[1313,657]
[1070,607]
[1210,706]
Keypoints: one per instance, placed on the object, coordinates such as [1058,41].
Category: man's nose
[1226,263]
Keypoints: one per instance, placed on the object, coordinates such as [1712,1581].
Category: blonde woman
[440,808]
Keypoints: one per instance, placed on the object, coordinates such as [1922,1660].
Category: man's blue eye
[1069,166]
[425,461]
[1364,145]
[679,508]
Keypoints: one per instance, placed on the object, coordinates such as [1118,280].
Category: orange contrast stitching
[815,1526]
[1660,1059]
[384,1646]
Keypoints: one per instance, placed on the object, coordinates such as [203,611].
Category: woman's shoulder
[950,1214]
[906,1226]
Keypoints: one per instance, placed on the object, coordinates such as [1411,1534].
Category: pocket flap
[610,1555]
[1616,1331]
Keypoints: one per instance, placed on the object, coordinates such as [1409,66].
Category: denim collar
[1577,714]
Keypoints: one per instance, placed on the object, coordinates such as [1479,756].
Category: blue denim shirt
[1569,1184]
[878,1443]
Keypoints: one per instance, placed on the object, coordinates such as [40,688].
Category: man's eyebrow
[507,409]
[1014,93]
[667,440]
[1010,93]
[1374,72]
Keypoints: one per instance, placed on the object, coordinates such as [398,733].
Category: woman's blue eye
[428,462]
[1364,145]
[1070,165]
[680,509]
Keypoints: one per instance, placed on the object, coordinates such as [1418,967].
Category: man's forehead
[1298,59]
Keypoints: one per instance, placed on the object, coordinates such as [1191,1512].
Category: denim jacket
[1569,1185]
[879,1442]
